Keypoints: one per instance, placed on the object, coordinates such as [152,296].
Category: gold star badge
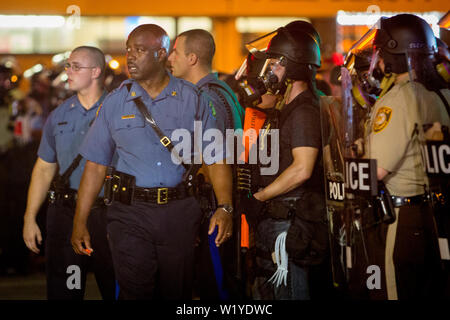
[133,93]
[174,93]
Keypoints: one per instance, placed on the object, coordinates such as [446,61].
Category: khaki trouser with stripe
[407,253]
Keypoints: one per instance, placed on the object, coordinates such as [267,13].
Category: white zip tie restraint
[281,257]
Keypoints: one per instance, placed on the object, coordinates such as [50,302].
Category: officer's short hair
[200,42]
[157,32]
[98,57]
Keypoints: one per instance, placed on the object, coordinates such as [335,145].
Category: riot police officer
[407,249]
[287,208]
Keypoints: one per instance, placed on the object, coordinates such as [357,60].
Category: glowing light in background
[363,18]
[114,64]
[31,21]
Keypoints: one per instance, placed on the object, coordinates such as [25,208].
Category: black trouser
[153,248]
[60,255]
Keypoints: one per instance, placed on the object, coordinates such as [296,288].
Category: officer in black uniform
[288,210]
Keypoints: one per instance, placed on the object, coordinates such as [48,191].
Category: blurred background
[36,37]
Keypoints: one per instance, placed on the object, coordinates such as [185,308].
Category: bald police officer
[191,60]
[151,229]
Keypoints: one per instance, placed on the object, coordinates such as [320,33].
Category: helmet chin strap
[282,102]
[443,69]
[387,82]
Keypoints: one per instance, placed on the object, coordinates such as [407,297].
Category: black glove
[252,208]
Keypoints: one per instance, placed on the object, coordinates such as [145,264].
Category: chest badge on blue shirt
[129,116]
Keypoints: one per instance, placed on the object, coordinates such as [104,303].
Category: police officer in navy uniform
[151,230]
[62,136]
[191,60]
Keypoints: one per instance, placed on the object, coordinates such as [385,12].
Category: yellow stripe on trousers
[391,284]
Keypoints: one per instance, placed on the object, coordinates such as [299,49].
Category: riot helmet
[305,27]
[296,44]
[400,35]
[298,51]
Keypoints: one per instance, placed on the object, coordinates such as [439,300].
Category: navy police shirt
[120,127]
[64,131]
[227,118]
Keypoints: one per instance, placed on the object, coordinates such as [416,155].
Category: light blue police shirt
[63,133]
[120,127]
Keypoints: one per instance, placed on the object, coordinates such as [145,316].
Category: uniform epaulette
[124,83]
[190,85]
[68,100]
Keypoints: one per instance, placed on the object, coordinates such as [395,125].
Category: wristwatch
[226,207]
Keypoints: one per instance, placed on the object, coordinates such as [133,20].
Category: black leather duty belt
[70,197]
[159,195]
[282,208]
[409,201]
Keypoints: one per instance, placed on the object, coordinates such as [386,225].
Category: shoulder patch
[213,110]
[382,119]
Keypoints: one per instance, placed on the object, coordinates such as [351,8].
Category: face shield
[362,63]
[256,74]
[364,47]
[257,49]
[444,23]
[356,108]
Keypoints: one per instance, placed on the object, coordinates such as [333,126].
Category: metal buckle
[165,141]
[165,193]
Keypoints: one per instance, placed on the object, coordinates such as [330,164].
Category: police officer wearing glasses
[59,160]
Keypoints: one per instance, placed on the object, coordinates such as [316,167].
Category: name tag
[130,116]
